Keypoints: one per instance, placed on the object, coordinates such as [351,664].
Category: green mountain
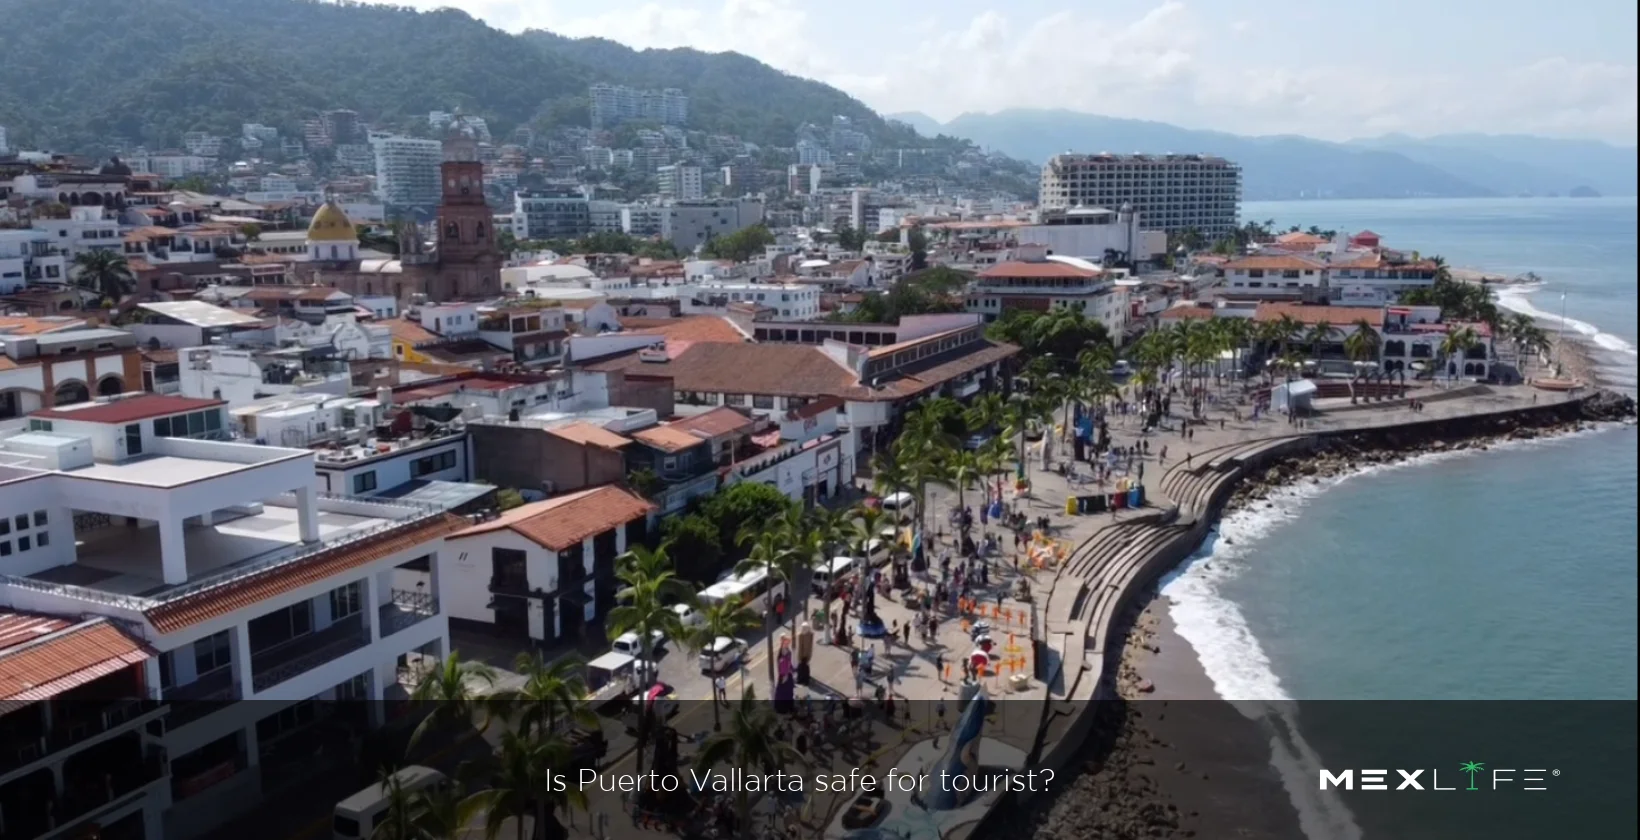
[79,72]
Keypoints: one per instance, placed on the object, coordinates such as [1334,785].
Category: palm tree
[1457,343]
[105,272]
[770,554]
[1361,346]
[438,812]
[721,619]
[399,821]
[751,744]
[455,692]
[551,691]
[521,787]
[651,587]
[1319,336]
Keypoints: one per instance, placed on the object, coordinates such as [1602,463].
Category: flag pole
[1561,336]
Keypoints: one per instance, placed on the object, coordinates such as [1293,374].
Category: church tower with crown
[469,266]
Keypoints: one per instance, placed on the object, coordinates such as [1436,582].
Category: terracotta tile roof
[411,332]
[58,661]
[688,328]
[797,370]
[1048,269]
[316,294]
[565,521]
[130,409]
[221,600]
[775,369]
[1272,263]
[668,438]
[589,434]
[1187,313]
[1338,316]
[19,628]
[1296,239]
[722,420]
[815,408]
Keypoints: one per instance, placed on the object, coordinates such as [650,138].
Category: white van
[827,574]
[628,643]
[358,815]
[721,655]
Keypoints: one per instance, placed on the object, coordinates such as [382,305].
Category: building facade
[407,171]
[1173,193]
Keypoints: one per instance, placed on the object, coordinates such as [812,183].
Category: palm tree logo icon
[1471,767]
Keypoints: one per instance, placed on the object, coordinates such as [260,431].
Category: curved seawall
[1096,588]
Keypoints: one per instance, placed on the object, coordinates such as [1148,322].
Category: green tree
[733,507]
[721,619]
[454,694]
[697,545]
[551,692]
[650,588]
[751,744]
[740,246]
[104,272]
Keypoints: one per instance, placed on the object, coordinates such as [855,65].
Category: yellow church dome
[330,224]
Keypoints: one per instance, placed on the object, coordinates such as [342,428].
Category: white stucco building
[239,579]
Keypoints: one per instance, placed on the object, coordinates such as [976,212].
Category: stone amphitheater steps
[1082,566]
[1116,578]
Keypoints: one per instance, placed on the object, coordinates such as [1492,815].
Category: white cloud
[1170,63]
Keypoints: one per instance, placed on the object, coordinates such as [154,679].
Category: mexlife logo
[1472,776]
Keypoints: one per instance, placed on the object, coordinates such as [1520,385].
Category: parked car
[896,501]
[722,654]
[627,643]
[688,616]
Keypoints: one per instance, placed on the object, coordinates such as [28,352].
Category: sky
[1321,68]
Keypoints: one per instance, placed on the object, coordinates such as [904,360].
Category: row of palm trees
[550,699]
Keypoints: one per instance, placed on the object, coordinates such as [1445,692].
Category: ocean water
[1504,574]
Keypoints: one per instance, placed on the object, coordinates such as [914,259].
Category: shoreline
[1175,757]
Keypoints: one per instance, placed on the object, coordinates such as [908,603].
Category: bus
[754,588]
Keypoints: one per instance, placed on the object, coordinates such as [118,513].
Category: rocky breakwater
[1333,455]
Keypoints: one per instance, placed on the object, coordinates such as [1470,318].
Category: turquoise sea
[1506,574]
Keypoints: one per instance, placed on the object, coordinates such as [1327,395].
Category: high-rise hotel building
[1171,192]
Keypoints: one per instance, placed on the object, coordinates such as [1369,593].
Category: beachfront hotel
[1171,192]
[154,579]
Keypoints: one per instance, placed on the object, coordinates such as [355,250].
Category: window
[5,548]
[5,527]
[22,522]
[762,401]
[364,482]
[344,601]
[39,425]
[42,539]
[212,653]
[734,399]
[436,462]
[22,544]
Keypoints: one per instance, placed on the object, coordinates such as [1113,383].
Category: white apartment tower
[680,182]
[1171,192]
[407,171]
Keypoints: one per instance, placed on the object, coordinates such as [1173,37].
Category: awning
[56,663]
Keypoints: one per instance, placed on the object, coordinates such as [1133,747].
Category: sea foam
[1230,654]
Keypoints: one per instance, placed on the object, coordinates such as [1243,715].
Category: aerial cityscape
[667,444]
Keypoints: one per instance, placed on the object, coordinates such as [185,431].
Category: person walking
[721,687]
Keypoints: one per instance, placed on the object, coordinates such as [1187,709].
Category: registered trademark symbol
[1554,772]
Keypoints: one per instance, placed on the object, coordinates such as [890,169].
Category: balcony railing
[21,748]
[201,697]
[406,608]
[272,666]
